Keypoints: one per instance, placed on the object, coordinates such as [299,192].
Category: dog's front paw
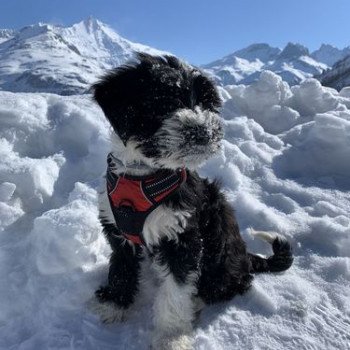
[104,294]
[172,342]
[107,311]
[164,222]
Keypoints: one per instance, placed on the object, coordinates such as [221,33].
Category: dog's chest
[136,204]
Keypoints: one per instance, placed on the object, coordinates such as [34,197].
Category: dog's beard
[186,139]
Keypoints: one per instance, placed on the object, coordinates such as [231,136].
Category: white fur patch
[164,222]
[174,312]
[174,342]
[268,236]
[129,154]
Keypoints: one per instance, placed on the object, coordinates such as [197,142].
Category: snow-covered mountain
[294,63]
[330,54]
[241,64]
[339,76]
[64,60]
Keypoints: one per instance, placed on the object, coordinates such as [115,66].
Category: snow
[284,167]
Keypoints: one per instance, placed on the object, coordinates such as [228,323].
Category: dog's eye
[167,105]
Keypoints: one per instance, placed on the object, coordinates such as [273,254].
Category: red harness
[133,198]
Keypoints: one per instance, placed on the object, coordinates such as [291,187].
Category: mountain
[294,63]
[236,67]
[329,54]
[338,76]
[63,60]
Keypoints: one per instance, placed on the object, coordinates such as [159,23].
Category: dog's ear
[125,86]
[114,91]
[205,92]
[117,93]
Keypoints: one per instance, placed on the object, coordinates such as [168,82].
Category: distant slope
[63,60]
[339,76]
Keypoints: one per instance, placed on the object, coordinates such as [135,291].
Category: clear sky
[198,30]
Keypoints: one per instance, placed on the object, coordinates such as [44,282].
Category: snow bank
[283,167]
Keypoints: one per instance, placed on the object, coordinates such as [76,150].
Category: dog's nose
[202,138]
[198,136]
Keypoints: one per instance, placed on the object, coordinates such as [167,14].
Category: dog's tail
[281,259]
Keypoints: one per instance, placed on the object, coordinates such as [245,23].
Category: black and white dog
[164,114]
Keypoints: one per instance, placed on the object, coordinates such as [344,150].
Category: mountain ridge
[67,59]
[294,63]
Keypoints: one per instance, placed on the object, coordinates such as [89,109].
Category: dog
[165,119]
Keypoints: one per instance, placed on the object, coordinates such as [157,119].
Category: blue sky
[198,30]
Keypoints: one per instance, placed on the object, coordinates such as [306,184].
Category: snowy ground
[285,166]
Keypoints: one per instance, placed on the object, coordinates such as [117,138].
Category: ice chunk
[6,191]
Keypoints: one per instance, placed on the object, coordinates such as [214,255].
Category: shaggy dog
[164,114]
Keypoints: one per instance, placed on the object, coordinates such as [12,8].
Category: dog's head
[164,109]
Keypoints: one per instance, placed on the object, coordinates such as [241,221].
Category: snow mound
[266,102]
[323,145]
[283,167]
[68,238]
[310,98]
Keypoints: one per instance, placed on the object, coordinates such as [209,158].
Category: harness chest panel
[133,198]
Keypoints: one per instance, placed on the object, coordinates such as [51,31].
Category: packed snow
[284,166]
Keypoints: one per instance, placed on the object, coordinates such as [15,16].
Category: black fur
[138,99]
[211,243]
